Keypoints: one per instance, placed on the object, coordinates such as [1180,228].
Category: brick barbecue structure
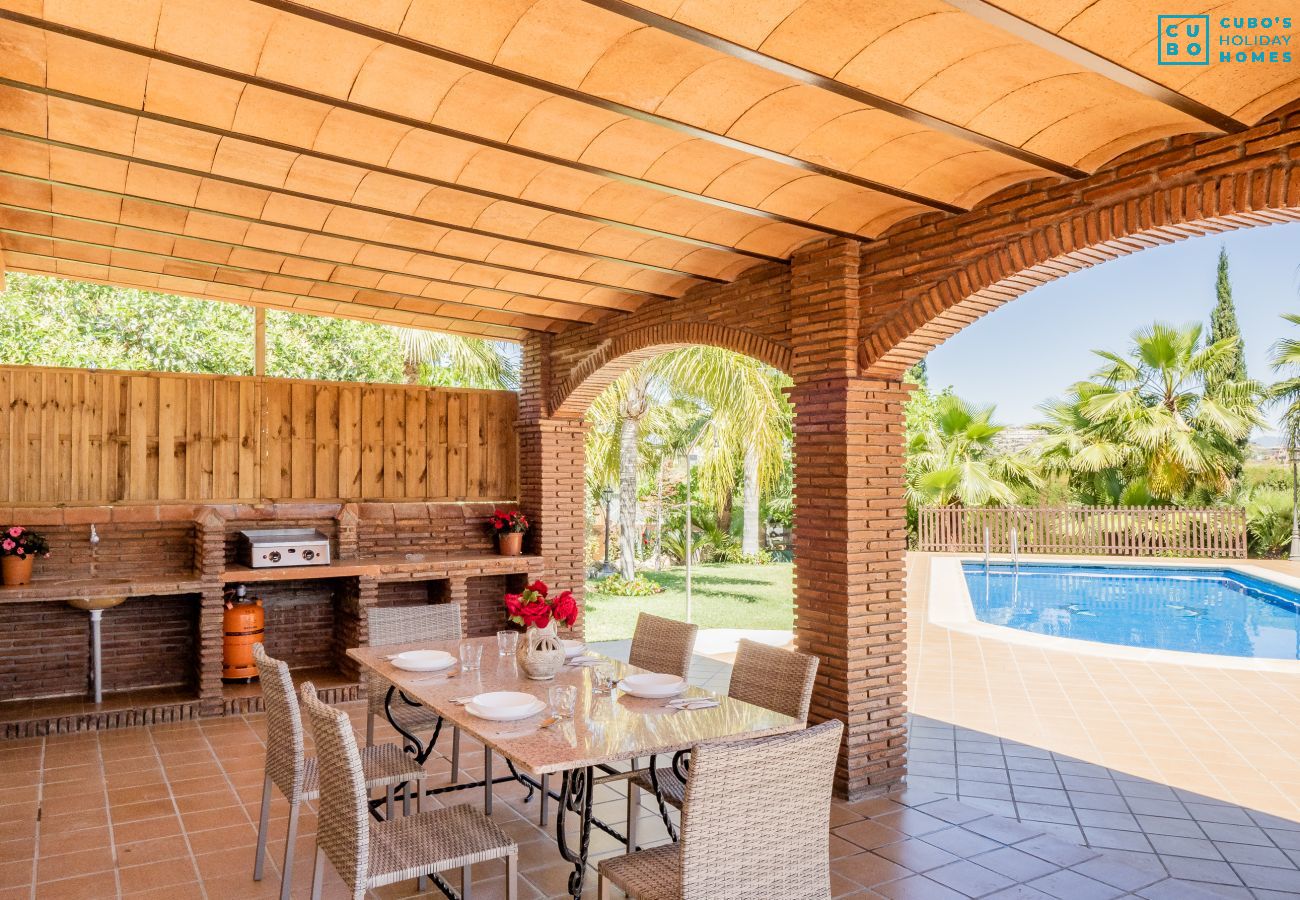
[860,191]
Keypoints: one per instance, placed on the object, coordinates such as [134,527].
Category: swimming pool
[1197,610]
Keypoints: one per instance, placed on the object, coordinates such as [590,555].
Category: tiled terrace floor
[170,811]
[1186,769]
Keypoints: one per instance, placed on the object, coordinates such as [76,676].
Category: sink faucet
[94,535]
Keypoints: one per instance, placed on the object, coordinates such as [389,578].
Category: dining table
[606,732]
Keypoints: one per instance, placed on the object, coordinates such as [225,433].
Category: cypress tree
[1223,319]
[1223,324]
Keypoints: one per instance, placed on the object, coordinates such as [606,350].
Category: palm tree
[1286,360]
[748,421]
[952,458]
[458,361]
[1169,413]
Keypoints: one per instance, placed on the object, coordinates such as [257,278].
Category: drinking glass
[507,642]
[602,678]
[564,697]
[471,656]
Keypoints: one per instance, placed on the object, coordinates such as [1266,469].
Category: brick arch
[615,355]
[1160,205]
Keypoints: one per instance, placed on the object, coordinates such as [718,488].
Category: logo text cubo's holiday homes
[1200,39]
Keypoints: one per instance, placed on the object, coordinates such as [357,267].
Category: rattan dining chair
[402,625]
[369,854]
[749,829]
[663,645]
[296,775]
[770,677]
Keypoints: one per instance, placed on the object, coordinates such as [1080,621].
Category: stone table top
[604,729]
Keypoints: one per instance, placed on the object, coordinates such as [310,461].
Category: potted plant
[509,526]
[18,551]
[541,652]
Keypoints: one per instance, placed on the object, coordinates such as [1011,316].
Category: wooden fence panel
[1216,532]
[75,436]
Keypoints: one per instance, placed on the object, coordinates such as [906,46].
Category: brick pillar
[552,487]
[850,521]
[210,563]
[353,600]
[348,519]
[458,593]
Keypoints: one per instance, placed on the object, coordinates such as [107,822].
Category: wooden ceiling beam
[332,235]
[276,87]
[375,210]
[537,323]
[417,320]
[569,312]
[809,77]
[632,112]
[422,179]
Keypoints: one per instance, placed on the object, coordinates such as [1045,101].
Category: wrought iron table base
[575,796]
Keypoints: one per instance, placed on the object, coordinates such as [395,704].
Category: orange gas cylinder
[243,625]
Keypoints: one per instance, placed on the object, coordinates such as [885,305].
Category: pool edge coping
[950,606]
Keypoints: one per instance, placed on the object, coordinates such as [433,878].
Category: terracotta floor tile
[74,864]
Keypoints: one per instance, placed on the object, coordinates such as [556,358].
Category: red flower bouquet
[535,608]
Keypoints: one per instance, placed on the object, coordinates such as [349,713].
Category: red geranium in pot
[509,526]
[541,652]
[19,548]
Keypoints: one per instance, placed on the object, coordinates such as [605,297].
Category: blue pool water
[1198,610]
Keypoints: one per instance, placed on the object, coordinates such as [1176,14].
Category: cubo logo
[1183,40]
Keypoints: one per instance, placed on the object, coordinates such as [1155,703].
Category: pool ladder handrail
[987,541]
[1015,551]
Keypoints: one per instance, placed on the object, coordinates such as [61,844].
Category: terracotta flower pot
[510,543]
[541,653]
[16,569]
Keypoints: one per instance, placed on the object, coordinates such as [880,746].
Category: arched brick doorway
[1159,194]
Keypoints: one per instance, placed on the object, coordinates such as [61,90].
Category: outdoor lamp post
[1295,505]
[692,457]
[605,570]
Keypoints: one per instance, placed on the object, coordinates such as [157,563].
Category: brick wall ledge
[86,587]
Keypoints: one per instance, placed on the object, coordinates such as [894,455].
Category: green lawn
[723,596]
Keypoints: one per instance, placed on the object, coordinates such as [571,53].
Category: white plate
[573,648]
[508,715]
[652,685]
[423,661]
[504,701]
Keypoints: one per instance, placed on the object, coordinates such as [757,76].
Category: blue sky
[1036,346]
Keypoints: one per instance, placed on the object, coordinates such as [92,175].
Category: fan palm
[1169,412]
[953,459]
[459,361]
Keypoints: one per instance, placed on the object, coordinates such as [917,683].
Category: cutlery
[548,721]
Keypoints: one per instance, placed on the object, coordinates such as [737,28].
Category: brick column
[353,600]
[210,563]
[850,521]
[552,487]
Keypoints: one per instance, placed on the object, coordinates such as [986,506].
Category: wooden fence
[1090,530]
[73,436]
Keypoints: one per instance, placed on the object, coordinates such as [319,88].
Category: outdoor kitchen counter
[61,590]
[395,567]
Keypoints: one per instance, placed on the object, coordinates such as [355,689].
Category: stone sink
[94,598]
[92,604]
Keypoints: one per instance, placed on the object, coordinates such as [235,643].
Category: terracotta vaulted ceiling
[499,166]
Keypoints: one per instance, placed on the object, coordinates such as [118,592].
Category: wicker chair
[658,645]
[749,828]
[290,769]
[775,679]
[369,854]
[402,625]
[663,645]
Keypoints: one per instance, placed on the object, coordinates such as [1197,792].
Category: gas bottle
[243,623]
